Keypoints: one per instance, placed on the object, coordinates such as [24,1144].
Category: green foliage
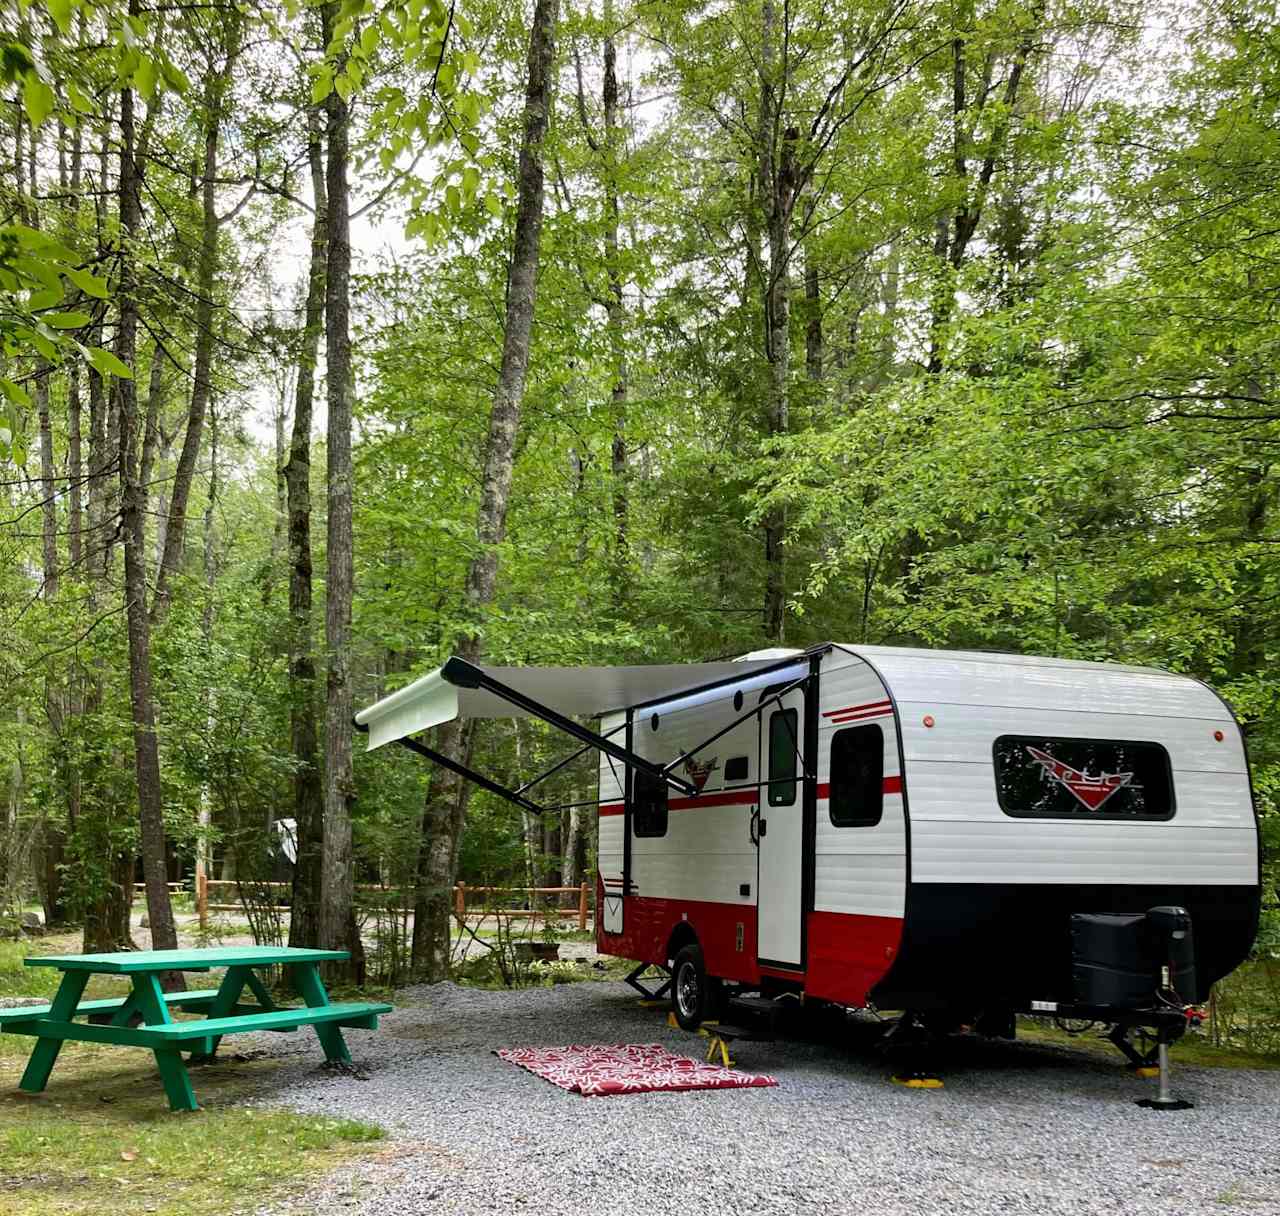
[1057,439]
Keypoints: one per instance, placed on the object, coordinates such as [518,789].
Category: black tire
[695,995]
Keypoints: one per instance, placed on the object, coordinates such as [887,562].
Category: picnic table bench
[114,1020]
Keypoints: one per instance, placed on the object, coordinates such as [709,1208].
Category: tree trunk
[204,812]
[445,810]
[337,906]
[214,99]
[132,506]
[308,798]
[778,178]
[75,471]
[616,315]
[106,924]
[151,430]
[813,341]
[48,489]
[956,226]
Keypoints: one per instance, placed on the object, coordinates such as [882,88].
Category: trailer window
[784,744]
[1054,778]
[857,777]
[649,805]
[737,768]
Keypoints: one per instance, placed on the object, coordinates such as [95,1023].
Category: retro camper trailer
[955,834]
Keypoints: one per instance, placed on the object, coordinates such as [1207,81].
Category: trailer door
[781,832]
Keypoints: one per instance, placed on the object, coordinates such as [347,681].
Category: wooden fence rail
[460,893]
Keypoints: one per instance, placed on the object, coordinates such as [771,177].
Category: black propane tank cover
[1173,944]
[1111,964]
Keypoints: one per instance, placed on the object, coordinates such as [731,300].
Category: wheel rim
[687,990]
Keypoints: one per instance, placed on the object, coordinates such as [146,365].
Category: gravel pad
[1019,1128]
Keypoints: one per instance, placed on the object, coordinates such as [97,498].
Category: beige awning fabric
[572,691]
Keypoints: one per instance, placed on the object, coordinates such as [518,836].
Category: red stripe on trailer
[892,785]
[849,954]
[724,798]
[648,923]
[853,709]
[862,717]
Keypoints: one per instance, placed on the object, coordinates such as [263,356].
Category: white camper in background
[942,832]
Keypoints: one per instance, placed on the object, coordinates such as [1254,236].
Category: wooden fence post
[460,902]
[582,907]
[202,896]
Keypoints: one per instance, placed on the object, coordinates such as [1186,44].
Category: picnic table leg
[45,1052]
[228,995]
[149,1001]
[307,978]
[177,1081]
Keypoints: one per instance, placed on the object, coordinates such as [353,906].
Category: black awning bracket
[471,775]
[751,713]
[555,768]
[462,674]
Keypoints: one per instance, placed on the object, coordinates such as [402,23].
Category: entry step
[731,1032]
[755,1008]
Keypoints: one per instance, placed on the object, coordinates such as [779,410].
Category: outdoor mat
[625,1068]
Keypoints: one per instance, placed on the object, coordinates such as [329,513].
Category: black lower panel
[975,946]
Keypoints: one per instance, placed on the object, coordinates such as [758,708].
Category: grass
[1193,1048]
[17,979]
[102,1136]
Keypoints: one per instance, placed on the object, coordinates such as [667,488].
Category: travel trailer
[960,835]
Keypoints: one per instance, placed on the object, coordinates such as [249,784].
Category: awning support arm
[462,674]
[751,713]
[471,775]
[555,768]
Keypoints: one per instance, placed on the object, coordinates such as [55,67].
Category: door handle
[755,825]
[764,827]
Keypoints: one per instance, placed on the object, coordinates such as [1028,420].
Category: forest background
[712,326]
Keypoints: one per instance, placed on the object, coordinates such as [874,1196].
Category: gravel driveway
[1020,1128]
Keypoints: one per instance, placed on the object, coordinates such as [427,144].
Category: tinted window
[736,768]
[784,745]
[857,777]
[648,805]
[1083,778]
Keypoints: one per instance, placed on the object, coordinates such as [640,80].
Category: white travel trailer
[950,833]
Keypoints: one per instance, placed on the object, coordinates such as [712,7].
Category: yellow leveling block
[918,1082]
[715,1041]
[1147,1073]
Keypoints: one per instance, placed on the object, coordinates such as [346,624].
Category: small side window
[736,768]
[784,745]
[648,805]
[857,777]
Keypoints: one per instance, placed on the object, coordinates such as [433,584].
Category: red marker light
[1217,734]
[928,719]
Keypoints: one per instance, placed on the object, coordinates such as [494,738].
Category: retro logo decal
[1090,792]
[698,773]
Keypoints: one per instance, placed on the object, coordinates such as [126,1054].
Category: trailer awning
[458,689]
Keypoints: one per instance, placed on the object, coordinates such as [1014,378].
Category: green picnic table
[224,1011]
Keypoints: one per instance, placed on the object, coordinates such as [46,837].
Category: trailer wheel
[695,995]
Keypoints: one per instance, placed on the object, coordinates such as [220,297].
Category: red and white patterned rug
[625,1068]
